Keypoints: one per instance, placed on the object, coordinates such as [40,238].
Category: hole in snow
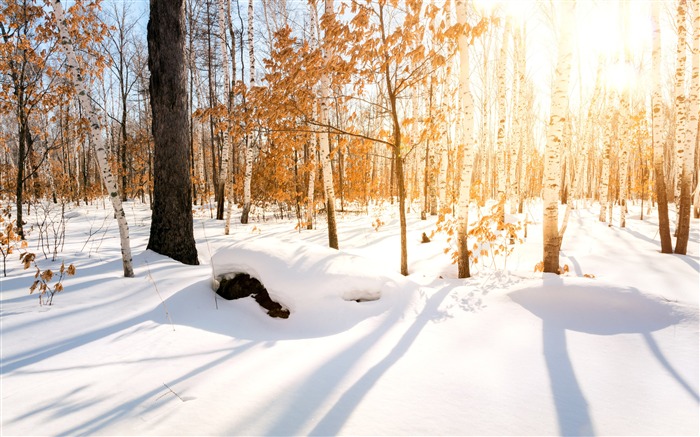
[362,296]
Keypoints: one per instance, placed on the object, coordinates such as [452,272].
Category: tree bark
[501,136]
[172,233]
[657,128]
[552,152]
[689,140]
[466,143]
[225,169]
[96,136]
[324,146]
[248,176]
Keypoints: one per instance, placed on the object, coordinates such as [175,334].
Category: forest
[442,165]
[295,111]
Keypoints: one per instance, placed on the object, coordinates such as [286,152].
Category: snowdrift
[307,279]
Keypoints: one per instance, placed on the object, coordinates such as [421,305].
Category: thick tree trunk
[689,140]
[552,152]
[171,225]
[466,143]
[657,129]
[680,100]
[96,136]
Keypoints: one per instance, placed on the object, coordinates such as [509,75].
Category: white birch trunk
[552,152]
[310,202]
[689,140]
[466,143]
[657,130]
[313,142]
[228,90]
[501,137]
[624,167]
[200,171]
[110,183]
[680,101]
[248,175]
[694,97]
[605,176]
[324,143]
[200,156]
[442,180]
[516,146]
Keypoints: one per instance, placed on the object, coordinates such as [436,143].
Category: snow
[506,352]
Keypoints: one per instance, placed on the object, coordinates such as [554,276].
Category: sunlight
[620,77]
[516,10]
[602,31]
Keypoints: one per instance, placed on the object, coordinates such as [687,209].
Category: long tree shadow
[570,403]
[596,311]
[334,420]
[113,415]
[325,380]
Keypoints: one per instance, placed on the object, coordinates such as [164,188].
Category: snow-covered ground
[503,353]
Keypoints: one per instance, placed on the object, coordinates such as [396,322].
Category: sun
[618,35]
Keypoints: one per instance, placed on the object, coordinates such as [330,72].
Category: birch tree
[552,153]
[680,107]
[324,111]
[466,141]
[248,175]
[225,169]
[684,151]
[502,118]
[81,85]
[657,130]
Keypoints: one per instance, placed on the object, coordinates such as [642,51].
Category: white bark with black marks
[466,143]
[553,149]
[81,85]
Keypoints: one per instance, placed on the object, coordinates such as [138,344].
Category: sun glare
[621,76]
[516,10]
[604,30]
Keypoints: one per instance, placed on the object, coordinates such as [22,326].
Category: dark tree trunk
[171,226]
[19,188]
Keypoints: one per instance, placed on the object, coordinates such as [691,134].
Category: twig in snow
[171,391]
[167,313]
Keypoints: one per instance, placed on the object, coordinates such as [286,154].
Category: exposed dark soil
[243,285]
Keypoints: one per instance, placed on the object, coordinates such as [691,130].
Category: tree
[466,142]
[79,80]
[248,176]
[688,135]
[172,233]
[552,164]
[658,140]
[25,52]
[121,54]
[226,131]
[324,144]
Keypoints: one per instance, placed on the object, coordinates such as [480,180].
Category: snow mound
[303,277]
